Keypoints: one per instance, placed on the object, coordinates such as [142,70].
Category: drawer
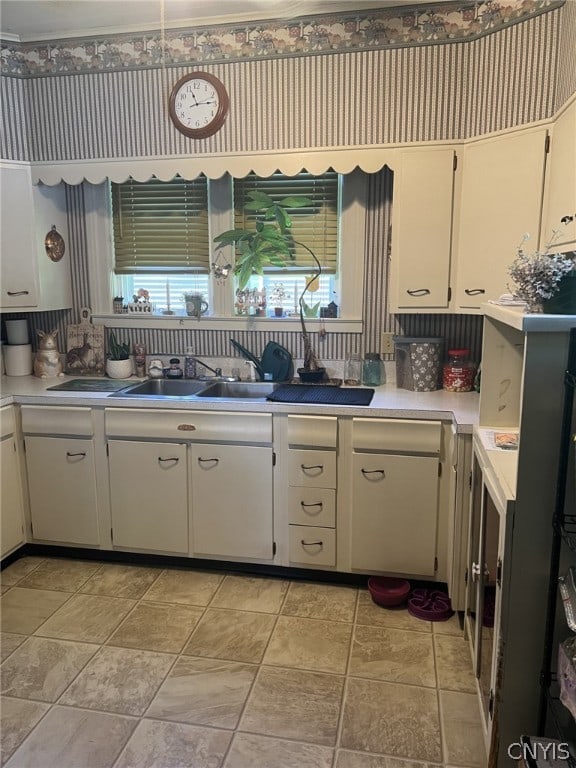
[310,545]
[313,431]
[189,425]
[7,421]
[312,506]
[315,469]
[396,435]
[50,420]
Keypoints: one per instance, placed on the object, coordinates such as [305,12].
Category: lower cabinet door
[149,495]
[12,531]
[394,516]
[232,501]
[62,487]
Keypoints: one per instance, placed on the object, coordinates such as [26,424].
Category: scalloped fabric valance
[342,160]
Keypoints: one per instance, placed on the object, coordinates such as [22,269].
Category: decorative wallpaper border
[336,33]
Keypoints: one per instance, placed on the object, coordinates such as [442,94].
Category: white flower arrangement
[537,275]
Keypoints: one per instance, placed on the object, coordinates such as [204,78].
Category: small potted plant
[277,297]
[118,363]
[271,243]
[545,281]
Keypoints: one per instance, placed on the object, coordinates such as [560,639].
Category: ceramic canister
[18,359]
[17,331]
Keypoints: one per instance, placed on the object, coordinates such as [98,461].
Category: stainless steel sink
[238,390]
[156,388]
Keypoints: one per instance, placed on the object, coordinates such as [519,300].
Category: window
[161,240]
[315,227]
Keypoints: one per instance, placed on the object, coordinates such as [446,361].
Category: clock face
[198,105]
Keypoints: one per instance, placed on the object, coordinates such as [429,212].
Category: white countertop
[515,317]
[388,402]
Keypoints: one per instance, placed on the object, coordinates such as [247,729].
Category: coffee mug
[195,305]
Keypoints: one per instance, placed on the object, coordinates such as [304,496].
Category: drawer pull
[186,427]
[311,543]
[474,291]
[418,292]
[373,472]
[203,461]
[319,504]
[17,293]
[170,458]
[82,454]
[305,468]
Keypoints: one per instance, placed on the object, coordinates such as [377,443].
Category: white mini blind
[316,226]
[161,226]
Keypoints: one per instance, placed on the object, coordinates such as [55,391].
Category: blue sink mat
[296,393]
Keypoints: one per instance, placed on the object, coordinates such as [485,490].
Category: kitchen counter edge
[388,402]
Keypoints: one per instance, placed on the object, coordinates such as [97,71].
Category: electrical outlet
[387,344]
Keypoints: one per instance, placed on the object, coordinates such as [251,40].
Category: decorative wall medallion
[54,244]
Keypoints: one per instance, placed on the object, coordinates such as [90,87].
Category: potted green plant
[545,281]
[118,362]
[271,243]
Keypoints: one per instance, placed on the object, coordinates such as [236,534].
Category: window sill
[169,322]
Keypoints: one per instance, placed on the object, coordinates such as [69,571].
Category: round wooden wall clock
[198,105]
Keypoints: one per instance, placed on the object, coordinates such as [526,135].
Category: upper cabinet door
[501,199]
[18,269]
[33,277]
[560,189]
[422,230]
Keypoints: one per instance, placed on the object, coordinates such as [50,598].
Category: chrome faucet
[216,371]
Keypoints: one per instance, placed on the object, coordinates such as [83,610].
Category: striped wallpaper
[358,98]
[566,74]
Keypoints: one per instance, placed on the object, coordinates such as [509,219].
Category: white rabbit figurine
[47,362]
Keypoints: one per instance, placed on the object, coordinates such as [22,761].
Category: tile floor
[109,665]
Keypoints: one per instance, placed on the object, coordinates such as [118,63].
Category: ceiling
[27,20]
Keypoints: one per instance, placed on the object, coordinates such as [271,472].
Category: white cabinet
[312,491]
[394,493]
[491,523]
[191,482]
[524,360]
[560,188]
[395,513]
[60,463]
[149,495]
[422,230]
[11,511]
[30,280]
[500,200]
[232,500]
[62,488]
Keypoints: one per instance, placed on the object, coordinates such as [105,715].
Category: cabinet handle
[418,292]
[567,219]
[474,291]
[305,468]
[311,543]
[186,427]
[315,504]
[17,293]
[373,472]
[170,458]
[73,455]
[476,570]
[215,461]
